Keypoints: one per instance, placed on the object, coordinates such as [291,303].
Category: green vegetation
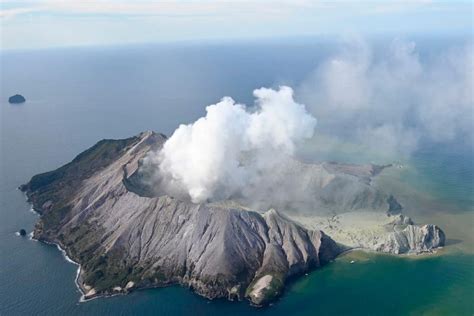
[272,291]
[106,271]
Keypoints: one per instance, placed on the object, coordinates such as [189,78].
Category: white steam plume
[220,154]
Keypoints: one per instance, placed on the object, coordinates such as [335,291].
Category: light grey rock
[413,239]
[401,219]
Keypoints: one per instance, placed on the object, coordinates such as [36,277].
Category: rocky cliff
[126,236]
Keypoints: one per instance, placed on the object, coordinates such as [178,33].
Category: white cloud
[153,8]
[389,99]
[42,23]
[206,7]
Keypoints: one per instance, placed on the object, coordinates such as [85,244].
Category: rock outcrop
[16,99]
[412,239]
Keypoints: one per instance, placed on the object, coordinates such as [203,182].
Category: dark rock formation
[22,232]
[16,99]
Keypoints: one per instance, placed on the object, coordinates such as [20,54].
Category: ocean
[77,96]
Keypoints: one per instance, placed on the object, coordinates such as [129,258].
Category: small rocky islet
[16,99]
[125,237]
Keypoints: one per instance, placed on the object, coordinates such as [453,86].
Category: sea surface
[78,96]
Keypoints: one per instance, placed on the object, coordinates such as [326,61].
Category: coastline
[68,259]
[63,251]
[85,298]
[412,256]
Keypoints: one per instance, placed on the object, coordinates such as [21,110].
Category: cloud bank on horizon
[52,23]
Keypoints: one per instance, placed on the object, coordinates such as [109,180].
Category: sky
[61,23]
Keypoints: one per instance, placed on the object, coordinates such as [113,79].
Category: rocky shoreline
[77,280]
[123,238]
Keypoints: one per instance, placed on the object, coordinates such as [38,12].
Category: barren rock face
[412,239]
[126,236]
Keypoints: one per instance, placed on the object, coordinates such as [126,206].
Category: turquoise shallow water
[98,94]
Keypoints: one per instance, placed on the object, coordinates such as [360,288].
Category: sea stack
[22,232]
[16,99]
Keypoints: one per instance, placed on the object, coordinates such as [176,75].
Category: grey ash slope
[125,238]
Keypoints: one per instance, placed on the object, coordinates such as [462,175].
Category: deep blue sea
[77,96]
